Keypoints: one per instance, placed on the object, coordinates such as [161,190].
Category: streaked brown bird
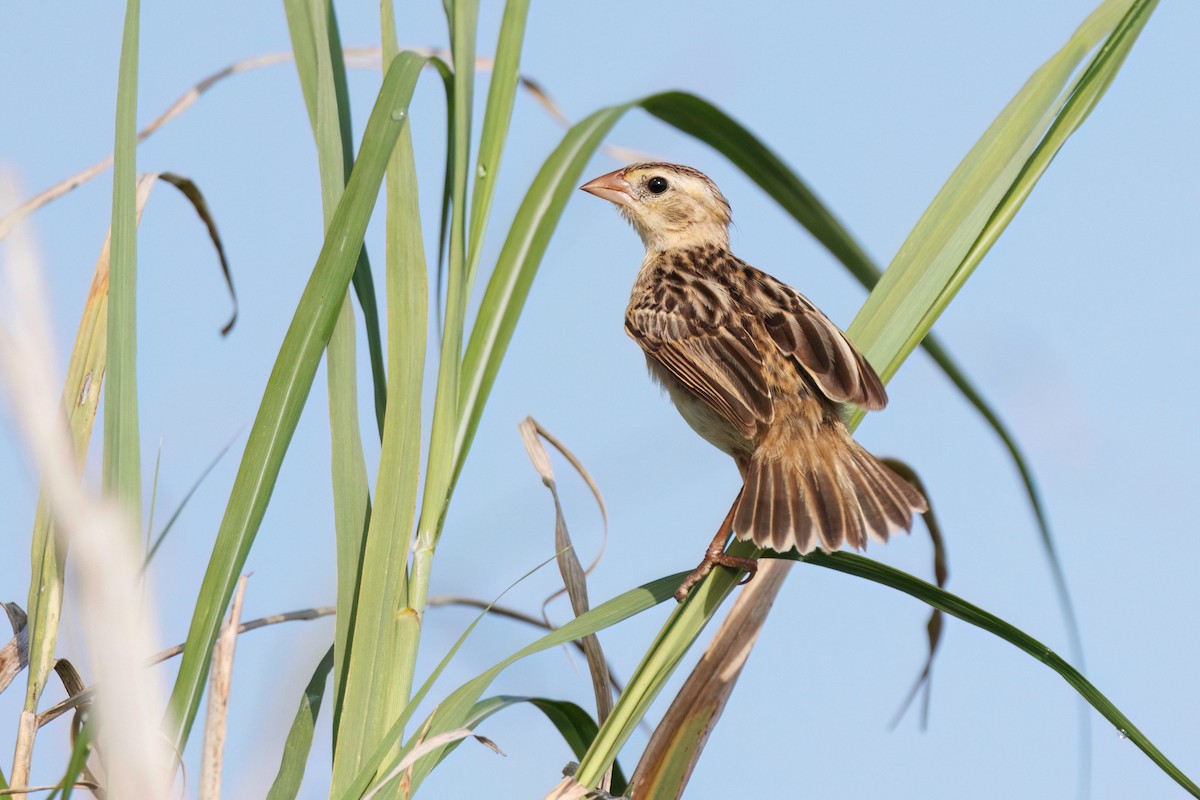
[757,370]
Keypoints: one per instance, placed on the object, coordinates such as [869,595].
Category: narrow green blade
[319,63]
[299,739]
[502,92]
[862,567]
[121,467]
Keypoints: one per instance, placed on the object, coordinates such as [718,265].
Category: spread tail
[839,494]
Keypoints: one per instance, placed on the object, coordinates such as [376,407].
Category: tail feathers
[826,503]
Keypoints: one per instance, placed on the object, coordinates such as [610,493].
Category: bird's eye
[657,185]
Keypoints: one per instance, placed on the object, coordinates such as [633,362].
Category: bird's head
[670,205]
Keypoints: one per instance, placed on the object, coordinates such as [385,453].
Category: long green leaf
[319,61]
[462,16]
[502,92]
[862,567]
[121,467]
[289,384]
[299,739]
[385,634]
[321,66]
[983,195]
[75,764]
[517,265]
[986,189]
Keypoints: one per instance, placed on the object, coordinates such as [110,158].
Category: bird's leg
[716,556]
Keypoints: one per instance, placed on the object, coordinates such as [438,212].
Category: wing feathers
[696,313]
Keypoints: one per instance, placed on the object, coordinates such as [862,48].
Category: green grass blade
[162,535]
[459,703]
[863,567]
[363,281]
[502,92]
[75,764]
[321,67]
[984,194]
[313,32]
[121,467]
[462,16]
[288,386]
[386,634]
[316,23]
[961,222]
[299,739]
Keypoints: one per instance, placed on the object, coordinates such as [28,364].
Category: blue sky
[1078,326]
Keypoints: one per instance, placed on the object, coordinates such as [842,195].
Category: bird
[757,370]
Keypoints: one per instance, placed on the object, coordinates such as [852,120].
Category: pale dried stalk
[85,696]
[356,58]
[53,787]
[90,344]
[700,702]
[107,570]
[218,700]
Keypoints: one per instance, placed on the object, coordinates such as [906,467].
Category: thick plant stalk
[666,766]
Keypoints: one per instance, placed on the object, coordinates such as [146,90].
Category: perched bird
[755,369]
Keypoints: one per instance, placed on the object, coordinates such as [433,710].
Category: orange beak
[612,187]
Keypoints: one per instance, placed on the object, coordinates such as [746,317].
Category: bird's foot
[716,557]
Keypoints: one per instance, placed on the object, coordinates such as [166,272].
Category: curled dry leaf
[574,576]
[941,572]
[14,656]
[356,57]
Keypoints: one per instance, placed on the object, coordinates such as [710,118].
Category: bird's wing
[818,346]
[694,333]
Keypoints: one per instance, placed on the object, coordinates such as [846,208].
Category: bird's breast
[711,426]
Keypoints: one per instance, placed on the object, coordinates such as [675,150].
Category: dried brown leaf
[941,572]
[14,656]
[220,679]
[574,576]
[681,735]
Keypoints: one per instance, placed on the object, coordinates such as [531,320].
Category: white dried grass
[107,580]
